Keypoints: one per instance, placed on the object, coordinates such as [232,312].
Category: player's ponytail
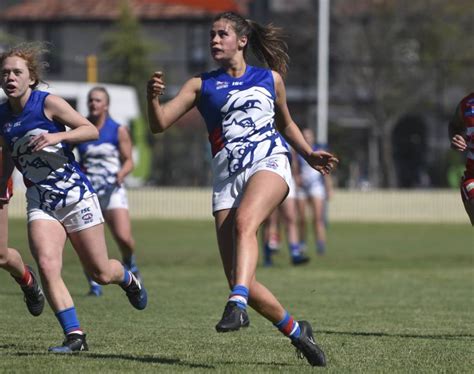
[267,42]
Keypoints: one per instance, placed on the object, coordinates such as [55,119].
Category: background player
[106,162]
[313,189]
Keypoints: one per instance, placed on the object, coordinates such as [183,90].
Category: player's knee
[49,266]
[244,227]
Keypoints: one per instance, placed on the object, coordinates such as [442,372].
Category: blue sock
[68,320]
[320,246]
[130,262]
[289,327]
[127,278]
[267,255]
[239,295]
[294,249]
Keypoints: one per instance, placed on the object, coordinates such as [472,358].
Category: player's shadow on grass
[102,356]
[389,335]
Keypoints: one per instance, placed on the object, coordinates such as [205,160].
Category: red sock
[26,278]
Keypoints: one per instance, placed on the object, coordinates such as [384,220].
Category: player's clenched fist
[156,85]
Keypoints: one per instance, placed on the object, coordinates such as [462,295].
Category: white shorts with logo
[114,198]
[76,217]
[228,194]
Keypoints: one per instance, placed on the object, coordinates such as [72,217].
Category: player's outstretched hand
[322,161]
[156,85]
[458,143]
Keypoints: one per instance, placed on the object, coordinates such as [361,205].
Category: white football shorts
[75,217]
[114,198]
[228,194]
[314,190]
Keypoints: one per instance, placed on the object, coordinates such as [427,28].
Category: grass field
[386,298]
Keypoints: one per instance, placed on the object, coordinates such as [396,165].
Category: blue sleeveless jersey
[239,115]
[52,176]
[100,159]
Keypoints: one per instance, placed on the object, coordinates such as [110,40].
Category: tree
[126,55]
[126,52]
[396,56]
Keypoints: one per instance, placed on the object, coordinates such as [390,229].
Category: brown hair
[100,89]
[266,41]
[32,53]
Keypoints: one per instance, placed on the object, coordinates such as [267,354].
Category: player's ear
[242,42]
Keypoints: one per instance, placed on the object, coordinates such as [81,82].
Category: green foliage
[387,298]
[8,39]
[126,51]
[140,135]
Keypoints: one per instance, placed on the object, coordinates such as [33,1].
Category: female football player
[243,107]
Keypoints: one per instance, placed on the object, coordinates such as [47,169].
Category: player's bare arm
[56,108]
[322,161]
[162,116]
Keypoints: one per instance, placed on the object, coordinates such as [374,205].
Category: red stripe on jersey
[217,140]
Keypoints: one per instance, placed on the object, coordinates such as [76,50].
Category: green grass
[386,298]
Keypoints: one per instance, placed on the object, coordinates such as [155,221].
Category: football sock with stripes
[239,295]
[68,320]
[26,278]
[289,327]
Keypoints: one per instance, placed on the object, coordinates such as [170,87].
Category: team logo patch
[221,84]
[87,217]
[272,164]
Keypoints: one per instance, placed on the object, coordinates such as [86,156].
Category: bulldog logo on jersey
[248,122]
[243,108]
[49,168]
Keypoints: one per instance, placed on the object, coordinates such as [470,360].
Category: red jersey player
[461,134]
